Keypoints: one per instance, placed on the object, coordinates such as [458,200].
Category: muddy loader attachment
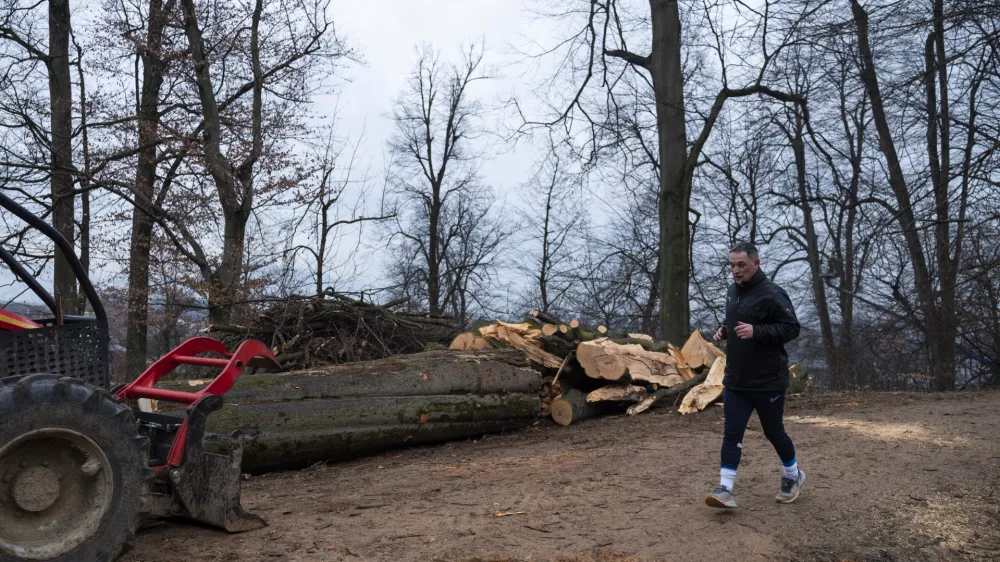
[191,481]
[207,485]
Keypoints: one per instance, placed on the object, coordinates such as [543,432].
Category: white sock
[726,477]
[791,470]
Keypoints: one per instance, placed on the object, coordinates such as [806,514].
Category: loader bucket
[208,484]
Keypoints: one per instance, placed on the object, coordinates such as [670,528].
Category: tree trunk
[433,257]
[60,105]
[944,378]
[145,177]
[85,184]
[225,290]
[675,181]
[812,252]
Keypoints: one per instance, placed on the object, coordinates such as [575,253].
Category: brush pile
[305,332]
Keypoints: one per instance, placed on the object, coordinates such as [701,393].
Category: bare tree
[335,197]
[608,31]
[554,223]
[154,66]
[445,237]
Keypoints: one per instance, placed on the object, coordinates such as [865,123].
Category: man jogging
[760,320]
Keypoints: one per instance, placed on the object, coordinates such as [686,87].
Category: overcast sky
[387,33]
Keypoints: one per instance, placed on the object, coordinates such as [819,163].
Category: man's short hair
[745,247]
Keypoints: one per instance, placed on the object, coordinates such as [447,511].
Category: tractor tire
[74,471]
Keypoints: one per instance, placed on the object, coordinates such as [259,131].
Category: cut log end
[572,407]
[468,341]
[699,352]
[562,412]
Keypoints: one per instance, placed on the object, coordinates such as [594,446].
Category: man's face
[743,267]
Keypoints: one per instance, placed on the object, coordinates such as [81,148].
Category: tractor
[81,470]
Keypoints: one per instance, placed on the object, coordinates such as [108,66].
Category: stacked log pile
[293,419]
[305,332]
[589,372]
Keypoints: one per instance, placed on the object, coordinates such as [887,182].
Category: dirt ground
[890,477]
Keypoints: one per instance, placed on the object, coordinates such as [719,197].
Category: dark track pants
[770,407]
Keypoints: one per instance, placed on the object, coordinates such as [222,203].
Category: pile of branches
[310,331]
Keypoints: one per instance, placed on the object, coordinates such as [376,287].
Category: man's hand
[744,331]
[720,334]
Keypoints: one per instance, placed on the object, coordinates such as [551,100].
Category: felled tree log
[291,419]
[267,450]
[707,392]
[605,359]
[700,353]
[572,407]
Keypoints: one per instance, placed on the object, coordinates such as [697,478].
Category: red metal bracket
[186,354]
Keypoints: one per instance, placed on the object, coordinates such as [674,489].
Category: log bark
[572,407]
[270,450]
[293,417]
[419,374]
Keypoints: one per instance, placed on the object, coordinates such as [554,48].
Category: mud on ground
[890,477]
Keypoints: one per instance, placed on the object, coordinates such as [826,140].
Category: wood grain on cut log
[605,359]
[618,393]
[699,352]
[706,393]
[572,407]
[549,329]
[469,341]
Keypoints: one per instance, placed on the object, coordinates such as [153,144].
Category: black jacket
[760,363]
